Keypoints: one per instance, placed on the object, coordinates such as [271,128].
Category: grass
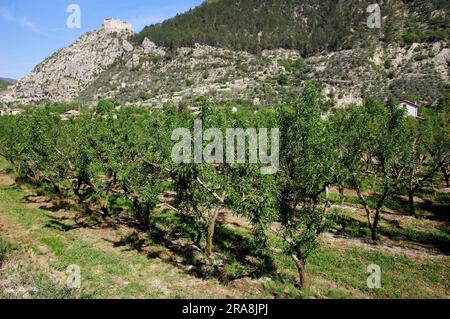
[154,265]
[346,268]
[6,249]
[106,272]
[21,278]
[422,209]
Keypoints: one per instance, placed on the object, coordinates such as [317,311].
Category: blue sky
[32,30]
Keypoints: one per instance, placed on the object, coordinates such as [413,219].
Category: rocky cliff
[70,70]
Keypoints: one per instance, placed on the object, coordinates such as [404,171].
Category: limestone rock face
[68,71]
[150,48]
[127,46]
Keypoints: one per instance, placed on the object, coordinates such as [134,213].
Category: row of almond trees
[126,154]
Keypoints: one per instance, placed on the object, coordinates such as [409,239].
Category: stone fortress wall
[116,25]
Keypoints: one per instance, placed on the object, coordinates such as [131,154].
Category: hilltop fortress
[116,25]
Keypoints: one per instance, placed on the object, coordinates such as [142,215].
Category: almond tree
[428,153]
[78,153]
[201,187]
[308,167]
[254,197]
[139,161]
[373,146]
[31,148]
[201,193]
[204,189]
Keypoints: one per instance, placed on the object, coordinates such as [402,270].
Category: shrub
[391,75]
[104,106]
[283,79]
[297,65]
[388,63]
[144,95]
[5,249]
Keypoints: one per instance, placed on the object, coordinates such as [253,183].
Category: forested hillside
[307,25]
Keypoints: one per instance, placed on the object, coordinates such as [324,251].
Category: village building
[411,108]
[70,114]
[16,111]
[10,112]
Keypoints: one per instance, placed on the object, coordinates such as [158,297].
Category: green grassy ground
[106,272]
[118,263]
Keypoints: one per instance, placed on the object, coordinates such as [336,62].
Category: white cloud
[6,15]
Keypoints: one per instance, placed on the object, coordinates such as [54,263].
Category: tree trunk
[104,210]
[198,238]
[412,209]
[374,232]
[374,226]
[211,229]
[77,191]
[300,262]
[104,204]
[56,189]
[342,193]
[446,177]
[434,189]
[145,215]
[81,181]
[142,213]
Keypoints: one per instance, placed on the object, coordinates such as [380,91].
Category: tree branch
[213,193]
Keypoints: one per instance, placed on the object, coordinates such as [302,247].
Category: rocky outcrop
[62,76]
[150,48]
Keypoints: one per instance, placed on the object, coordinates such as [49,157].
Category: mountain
[255,52]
